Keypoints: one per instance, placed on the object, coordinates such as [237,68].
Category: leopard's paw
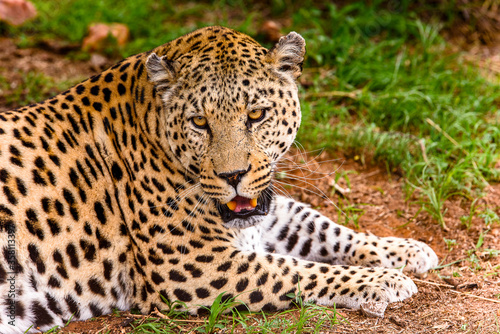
[409,254]
[371,285]
[419,257]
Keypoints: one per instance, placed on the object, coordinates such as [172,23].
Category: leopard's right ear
[288,54]
[162,71]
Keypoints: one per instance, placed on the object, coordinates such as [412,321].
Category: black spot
[204,258]
[195,272]
[242,284]
[256,296]
[62,272]
[88,249]
[202,293]
[219,283]
[336,247]
[177,276]
[42,317]
[20,309]
[73,306]
[73,256]
[157,278]
[80,89]
[53,305]
[108,77]
[116,171]
[311,285]
[242,268]
[35,257]
[323,292]
[121,89]
[4,175]
[94,90]
[10,196]
[292,241]
[108,268]
[182,295]
[3,275]
[97,106]
[225,266]
[21,187]
[95,310]
[55,229]
[99,210]
[306,248]
[96,287]
[107,94]
[54,282]
[345,278]
[262,279]
[283,233]
[269,307]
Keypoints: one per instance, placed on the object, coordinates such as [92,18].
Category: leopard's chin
[242,212]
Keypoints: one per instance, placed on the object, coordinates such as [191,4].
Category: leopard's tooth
[253,202]
[231,205]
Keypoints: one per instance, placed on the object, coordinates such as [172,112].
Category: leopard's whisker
[319,192]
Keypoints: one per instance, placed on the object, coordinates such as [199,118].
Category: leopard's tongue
[239,204]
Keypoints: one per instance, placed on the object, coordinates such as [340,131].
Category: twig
[450,138]
[159,314]
[478,297]
[421,142]
[432,283]
[352,95]
[163,316]
[458,292]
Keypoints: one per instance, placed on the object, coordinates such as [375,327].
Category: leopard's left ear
[288,54]
[162,71]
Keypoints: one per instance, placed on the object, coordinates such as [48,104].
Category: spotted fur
[112,196]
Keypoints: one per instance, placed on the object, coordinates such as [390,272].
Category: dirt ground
[467,303]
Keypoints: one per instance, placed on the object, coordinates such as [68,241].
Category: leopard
[153,183]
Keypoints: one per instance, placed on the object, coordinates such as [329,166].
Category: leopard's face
[229,119]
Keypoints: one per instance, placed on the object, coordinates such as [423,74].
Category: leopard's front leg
[269,282]
[297,230]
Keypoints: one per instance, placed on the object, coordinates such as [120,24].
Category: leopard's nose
[233,178]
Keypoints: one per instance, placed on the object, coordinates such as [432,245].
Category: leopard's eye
[256,115]
[199,122]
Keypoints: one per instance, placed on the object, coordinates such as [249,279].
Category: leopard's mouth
[242,212]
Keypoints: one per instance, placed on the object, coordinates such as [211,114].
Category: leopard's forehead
[216,52]
[222,70]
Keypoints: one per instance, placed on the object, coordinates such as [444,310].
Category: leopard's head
[231,111]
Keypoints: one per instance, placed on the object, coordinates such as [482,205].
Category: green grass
[151,22]
[387,89]
[29,88]
[223,315]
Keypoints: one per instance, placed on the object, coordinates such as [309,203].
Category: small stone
[99,33]
[98,62]
[374,309]
[16,12]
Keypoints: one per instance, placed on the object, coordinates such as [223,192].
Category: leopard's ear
[162,71]
[288,54]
